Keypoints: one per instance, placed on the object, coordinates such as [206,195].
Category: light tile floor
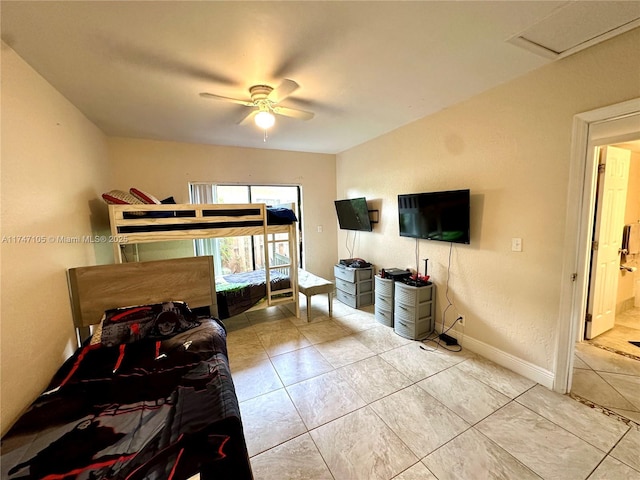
[347,399]
[608,379]
[627,327]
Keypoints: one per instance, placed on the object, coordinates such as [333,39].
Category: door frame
[612,124]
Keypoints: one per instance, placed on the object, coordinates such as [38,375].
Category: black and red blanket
[149,409]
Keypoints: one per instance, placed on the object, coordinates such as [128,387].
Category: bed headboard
[96,289]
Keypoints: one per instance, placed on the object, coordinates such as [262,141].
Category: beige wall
[511,147]
[165,169]
[54,165]
[632,211]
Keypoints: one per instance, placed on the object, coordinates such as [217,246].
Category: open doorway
[606,370]
[614,125]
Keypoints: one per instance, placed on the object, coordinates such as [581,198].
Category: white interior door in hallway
[613,180]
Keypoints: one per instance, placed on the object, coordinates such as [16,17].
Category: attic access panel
[578,25]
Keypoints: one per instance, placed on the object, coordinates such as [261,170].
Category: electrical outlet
[461,319]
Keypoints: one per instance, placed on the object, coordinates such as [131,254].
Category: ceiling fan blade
[249,117]
[294,113]
[227,99]
[286,88]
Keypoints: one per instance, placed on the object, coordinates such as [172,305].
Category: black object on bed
[156,403]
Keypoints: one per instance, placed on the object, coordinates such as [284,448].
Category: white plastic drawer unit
[384,288]
[354,286]
[414,310]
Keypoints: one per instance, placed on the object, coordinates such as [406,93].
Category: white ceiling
[136,69]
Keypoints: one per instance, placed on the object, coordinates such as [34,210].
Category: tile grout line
[613,350]
[615,389]
[506,451]
[604,410]
[574,434]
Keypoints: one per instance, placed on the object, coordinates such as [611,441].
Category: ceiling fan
[265,102]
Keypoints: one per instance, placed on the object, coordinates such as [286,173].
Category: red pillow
[144,197]
[118,197]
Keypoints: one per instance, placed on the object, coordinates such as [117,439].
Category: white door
[607,239]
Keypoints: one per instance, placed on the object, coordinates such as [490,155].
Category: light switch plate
[516,244]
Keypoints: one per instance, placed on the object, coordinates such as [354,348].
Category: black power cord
[353,243]
[442,342]
[442,337]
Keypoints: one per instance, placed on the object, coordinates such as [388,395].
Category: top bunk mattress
[229,218]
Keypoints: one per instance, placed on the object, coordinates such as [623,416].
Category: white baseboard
[506,360]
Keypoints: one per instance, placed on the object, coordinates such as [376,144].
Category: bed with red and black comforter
[149,399]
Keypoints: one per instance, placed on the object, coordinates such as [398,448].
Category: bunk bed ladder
[282,295]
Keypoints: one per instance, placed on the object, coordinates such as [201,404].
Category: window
[242,254]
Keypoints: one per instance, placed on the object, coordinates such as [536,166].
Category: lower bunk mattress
[146,409]
[238,292]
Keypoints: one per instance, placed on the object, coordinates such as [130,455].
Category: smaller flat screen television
[442,216]
[353,214]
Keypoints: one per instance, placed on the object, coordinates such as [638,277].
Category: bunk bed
[277,284]
[137,400]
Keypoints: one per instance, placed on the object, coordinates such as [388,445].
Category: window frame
[207,192]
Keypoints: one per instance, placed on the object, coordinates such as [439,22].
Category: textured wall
[54,166]
[511,147]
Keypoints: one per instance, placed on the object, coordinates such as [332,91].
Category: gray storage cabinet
[354,286]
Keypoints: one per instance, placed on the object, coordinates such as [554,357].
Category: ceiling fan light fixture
[265,119]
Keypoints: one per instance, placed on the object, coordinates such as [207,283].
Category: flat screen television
[442,216]
[353,214]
